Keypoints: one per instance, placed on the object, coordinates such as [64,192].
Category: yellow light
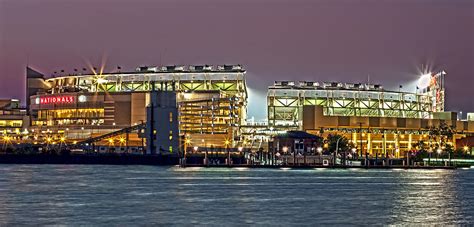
[227,142]
[326,145]
[466,148]
[363,134]
[402,136]
[111,141]
[63,139]
[390,146]
[187,141]
[74,142]
[122,140]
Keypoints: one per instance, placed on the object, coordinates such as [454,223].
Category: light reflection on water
[134,195]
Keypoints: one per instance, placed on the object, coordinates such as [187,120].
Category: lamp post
[337,147]
[430,151]
[195,148]
[354,150]
[285,150]
[226,143]
[240,149]
[439,152]
[360,136]
[320,152]
[187,142]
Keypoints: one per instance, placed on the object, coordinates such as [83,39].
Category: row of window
[11,123]
[71,113]
[68,122]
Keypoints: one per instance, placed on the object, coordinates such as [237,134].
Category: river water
[136,195]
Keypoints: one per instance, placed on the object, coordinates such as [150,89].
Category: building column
[369,143]
[354,139]
[410,141]
[384,144]
[397,147]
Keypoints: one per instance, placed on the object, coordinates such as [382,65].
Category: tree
[442,134]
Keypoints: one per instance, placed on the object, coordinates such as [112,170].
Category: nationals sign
[56,100]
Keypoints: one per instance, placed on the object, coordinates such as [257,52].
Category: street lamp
[285,150]
[319,149]
[187,142]
[354,150]
[227,142]
[320,152]
[439,152]
[337,147]
[430,151]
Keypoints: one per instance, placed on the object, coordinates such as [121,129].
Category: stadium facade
[211,101]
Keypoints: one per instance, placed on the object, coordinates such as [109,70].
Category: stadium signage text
[57,100]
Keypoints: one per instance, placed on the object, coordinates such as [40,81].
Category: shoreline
[157,160]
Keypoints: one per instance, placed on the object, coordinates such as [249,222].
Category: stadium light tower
[424,81]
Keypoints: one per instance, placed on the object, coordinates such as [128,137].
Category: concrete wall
[138,107]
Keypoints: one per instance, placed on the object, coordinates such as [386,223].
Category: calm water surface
[134,195]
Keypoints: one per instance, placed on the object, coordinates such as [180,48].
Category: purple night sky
[323,40]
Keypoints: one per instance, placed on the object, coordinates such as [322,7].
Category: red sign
[57,99]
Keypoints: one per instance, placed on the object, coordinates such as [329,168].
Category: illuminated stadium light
[424,81]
